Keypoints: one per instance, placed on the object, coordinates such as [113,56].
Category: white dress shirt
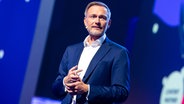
[87,55]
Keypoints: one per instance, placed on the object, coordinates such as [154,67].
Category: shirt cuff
[64,85]
[88,92]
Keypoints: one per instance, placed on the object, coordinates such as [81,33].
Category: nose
[97,20]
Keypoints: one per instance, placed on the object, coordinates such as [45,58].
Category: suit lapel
[98,56]
[78,53]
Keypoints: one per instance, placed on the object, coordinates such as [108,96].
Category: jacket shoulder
[115,45]
[75,46]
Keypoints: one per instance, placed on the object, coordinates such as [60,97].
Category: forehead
[96,9]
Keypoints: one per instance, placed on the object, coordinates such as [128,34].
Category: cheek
[104,25]
[87,22]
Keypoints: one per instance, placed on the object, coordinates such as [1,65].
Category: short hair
[99,4]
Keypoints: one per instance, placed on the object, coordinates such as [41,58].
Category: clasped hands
[73,83]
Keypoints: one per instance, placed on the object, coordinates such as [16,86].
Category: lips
[96,27]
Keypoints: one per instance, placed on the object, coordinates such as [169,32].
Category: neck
[92,38]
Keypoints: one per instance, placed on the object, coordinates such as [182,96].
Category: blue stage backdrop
[157,54]
[17,26]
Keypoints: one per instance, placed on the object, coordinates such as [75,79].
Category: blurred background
[34,35]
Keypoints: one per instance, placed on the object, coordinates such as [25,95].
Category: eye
[92,16]
[103,17]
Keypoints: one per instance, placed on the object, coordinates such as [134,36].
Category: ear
[85,21]
[109,23]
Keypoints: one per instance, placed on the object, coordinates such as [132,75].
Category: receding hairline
[98,3]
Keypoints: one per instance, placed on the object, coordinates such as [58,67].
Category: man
[95,71]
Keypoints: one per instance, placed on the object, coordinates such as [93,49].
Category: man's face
[97,20]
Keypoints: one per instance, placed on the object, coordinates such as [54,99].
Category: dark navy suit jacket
[108,74]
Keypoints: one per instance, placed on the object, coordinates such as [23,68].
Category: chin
[95,33]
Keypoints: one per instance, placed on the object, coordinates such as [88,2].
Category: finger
[73,68]
[71,78]
[74,79]
[71,85]
[70,88]
[72,92]
[77,72]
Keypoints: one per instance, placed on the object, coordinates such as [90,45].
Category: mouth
[96,27]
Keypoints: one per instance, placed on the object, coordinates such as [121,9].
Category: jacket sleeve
[58,88]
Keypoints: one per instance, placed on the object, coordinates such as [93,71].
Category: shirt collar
[96,43]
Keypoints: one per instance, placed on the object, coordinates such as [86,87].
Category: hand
[73,83]
[78,87]
[72,75]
